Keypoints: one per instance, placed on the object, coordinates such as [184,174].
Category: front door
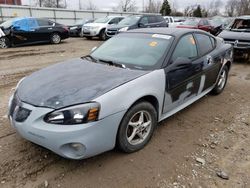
[183,82]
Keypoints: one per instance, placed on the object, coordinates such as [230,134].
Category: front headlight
[78,114]
[123,29]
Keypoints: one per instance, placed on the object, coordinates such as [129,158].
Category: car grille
[238,43]
[17,112]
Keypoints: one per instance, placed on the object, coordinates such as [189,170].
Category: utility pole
[142,5]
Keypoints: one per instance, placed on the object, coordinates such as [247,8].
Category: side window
[152,19]
[42,22]
[205,43]
[120,19]
[205,22]
[32,23]
[114,21]
[159,19]
[185,48]
[144,20]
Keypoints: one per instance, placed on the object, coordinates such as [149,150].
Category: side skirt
[184,105]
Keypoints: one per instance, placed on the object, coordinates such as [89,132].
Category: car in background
[98,27]
[238,34]
[117,95]
[135,22]
[219,24]
[196,23]
[173,21]
[28,30]
[75,30]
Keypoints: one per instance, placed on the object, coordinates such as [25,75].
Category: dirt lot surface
[187,150]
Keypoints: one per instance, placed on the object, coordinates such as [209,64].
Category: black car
[135,22]
[75,30]
[238,34]
[20,31]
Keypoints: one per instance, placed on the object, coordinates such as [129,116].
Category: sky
[109,4]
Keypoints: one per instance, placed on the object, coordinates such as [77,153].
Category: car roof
[177,32]
[247,17]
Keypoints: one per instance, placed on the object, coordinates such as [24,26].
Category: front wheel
[222,81]
[137,127]
[55,38]
[102,35]
[4,42]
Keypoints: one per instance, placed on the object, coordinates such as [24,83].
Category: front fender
[124,96]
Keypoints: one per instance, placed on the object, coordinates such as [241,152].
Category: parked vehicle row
[76,29]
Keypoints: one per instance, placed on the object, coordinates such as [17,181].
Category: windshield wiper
[112,63]
[90,57]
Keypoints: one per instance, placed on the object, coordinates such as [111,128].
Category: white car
[173,22]
[98,27]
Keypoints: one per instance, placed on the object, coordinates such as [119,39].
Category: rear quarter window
[205,43]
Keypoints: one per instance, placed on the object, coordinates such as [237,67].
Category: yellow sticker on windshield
[153,44]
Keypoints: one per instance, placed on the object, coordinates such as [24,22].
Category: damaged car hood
[72,82]
[236,35]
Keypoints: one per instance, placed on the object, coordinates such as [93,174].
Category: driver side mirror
[181,63]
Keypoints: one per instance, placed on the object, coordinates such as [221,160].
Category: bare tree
[237,7]
[213,8]
[52,3]
[91,6]
[126,6]
[153,6]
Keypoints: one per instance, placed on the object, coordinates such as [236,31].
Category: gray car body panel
[59,88]
[234,35]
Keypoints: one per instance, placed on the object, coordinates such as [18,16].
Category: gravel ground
[191,149]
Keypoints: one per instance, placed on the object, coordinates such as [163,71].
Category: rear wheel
[102,35]
[55,38]
[222,81]
[137,127]
[4,42]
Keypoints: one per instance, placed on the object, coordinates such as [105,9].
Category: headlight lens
[79,114]
[123,29]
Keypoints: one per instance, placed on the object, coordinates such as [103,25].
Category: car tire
[222,81]
[102,35]
[55,38]
[89,38]
[137,127]
[4,42]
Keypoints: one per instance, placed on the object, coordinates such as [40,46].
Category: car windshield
[131,20]
[7,24]
[102,20]
[240,24]
[191,22]
[139,51]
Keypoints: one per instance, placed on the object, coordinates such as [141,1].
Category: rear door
[44,30]
[184,82]
[211,58]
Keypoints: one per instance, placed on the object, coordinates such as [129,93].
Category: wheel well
[228,64]
[151,99]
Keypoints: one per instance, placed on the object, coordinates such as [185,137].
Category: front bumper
[89,33]
[69,141]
